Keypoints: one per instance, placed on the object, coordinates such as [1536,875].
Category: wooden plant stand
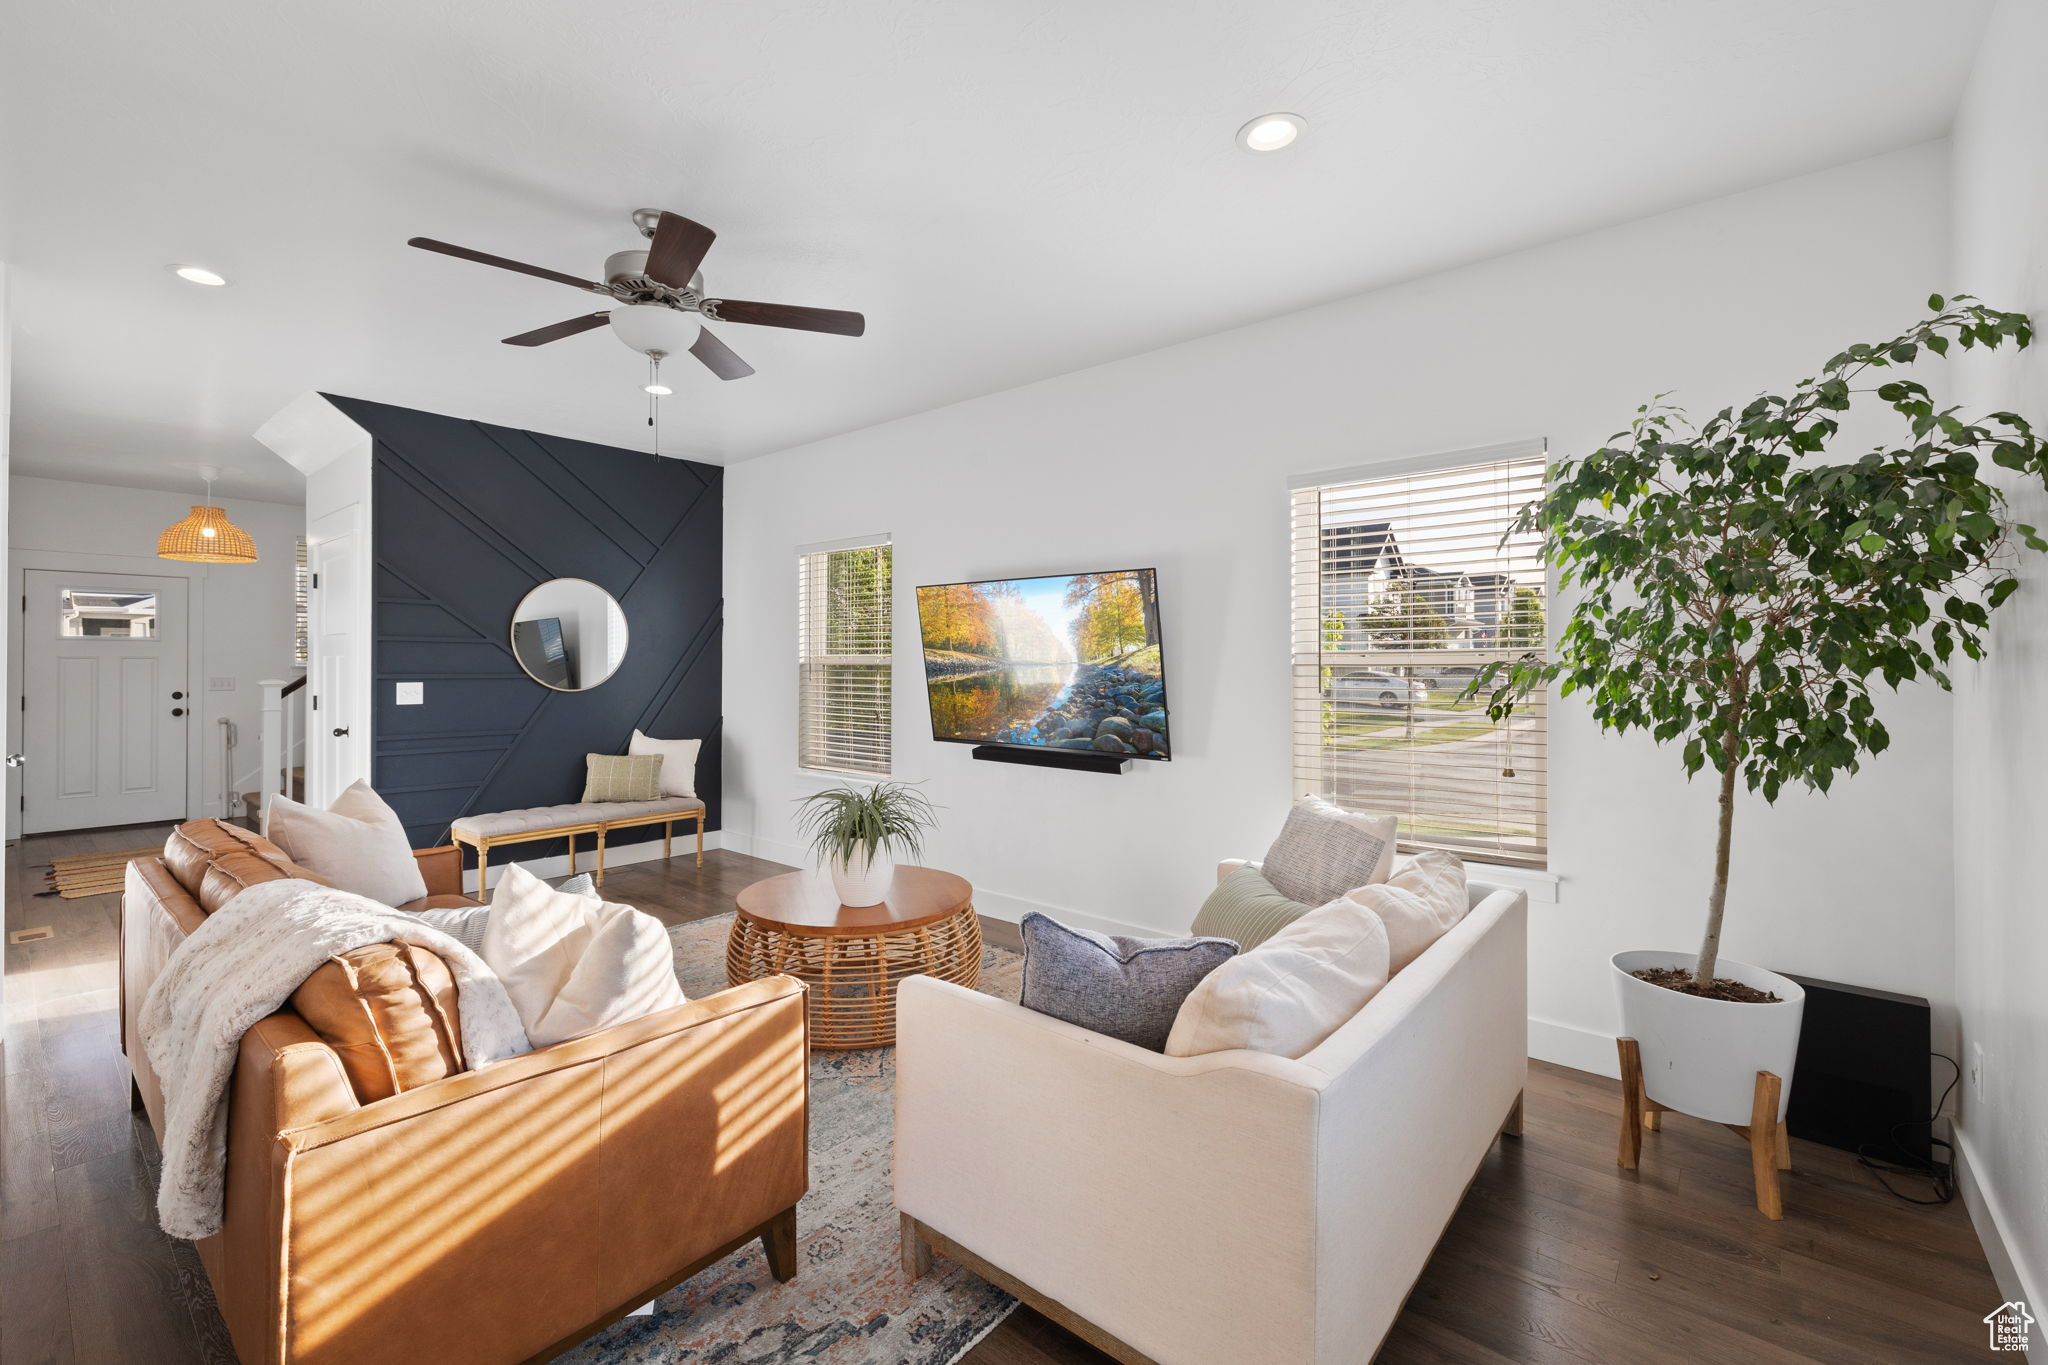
[1770,1147]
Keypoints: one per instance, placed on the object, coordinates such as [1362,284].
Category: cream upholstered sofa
[1219,1209]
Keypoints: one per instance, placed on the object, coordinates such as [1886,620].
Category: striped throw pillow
[622,777]
[1245,907]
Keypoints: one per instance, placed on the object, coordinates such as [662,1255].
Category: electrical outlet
[220,684]
[1976,1070]
[412,694]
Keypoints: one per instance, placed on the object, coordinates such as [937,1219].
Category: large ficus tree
[1738,590]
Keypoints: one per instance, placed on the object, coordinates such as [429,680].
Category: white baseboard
[1581,1049]
[2016,1279]
[615,855]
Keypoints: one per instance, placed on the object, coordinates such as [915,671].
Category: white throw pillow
[1418,904]
[1292,991]
[678,762]
[358,844]
[575,964]
[1324,850]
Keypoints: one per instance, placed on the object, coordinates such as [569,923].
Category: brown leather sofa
[499,1215]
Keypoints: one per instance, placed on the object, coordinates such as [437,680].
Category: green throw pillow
[1244,906]
[623,777]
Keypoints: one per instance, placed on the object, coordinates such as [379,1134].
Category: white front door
[337,728]
[107,703]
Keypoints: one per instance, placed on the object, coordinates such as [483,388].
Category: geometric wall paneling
[467,517]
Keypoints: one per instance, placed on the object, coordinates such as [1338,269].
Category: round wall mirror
[569,634]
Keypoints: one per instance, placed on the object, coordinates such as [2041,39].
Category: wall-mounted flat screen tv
[1069,661]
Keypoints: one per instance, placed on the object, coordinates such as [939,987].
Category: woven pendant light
[207,536]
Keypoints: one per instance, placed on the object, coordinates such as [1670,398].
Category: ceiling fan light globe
[651,327]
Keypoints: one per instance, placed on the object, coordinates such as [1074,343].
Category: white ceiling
[1008,190]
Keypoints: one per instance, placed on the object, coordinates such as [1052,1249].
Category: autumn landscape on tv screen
[1068,662]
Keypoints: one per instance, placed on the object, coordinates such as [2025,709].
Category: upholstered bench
[485,832]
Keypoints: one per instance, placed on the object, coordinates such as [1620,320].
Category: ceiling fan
[655,290]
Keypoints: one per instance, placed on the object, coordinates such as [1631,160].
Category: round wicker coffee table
[853,956]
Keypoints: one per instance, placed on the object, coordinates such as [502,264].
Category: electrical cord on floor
[1940,1173]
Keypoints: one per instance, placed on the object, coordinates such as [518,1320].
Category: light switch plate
[412,694]
[220,684]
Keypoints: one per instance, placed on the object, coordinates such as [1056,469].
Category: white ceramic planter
[861,880]
[1701,1056]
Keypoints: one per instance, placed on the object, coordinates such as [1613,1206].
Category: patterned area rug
[849,1304]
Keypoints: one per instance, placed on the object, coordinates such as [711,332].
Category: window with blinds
[301,648]
[843,657]
[1405,583]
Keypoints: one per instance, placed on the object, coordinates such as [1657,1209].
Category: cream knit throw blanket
[242,965]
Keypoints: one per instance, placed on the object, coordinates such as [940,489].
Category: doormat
[94,874]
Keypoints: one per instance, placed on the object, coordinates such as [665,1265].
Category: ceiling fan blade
[678,249]
[485,258]
[540,336]
[787,315]
[718,357]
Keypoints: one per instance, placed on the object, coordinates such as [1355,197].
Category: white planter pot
[862,880]
[1701,1056]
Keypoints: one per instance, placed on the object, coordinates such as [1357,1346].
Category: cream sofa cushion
[356,844]
[1419,904]
[575,964]
[1292,991]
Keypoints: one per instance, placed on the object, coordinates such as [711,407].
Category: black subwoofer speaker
[1862,1071]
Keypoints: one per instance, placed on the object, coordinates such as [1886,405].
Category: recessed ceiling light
[1271,132]
[658,390]
[199,274]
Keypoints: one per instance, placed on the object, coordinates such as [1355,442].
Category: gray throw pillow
[1128,988]
[1245,907]
[1324,851]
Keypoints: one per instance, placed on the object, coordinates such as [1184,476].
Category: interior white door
[107,701]
[337,728]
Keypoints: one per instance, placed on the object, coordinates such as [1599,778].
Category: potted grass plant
[1739,589]
[856,834]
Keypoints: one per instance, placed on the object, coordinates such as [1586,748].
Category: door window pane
[106,612]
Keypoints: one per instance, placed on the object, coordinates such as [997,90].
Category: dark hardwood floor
[1555,1256]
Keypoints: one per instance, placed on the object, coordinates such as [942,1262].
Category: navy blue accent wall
[466,518]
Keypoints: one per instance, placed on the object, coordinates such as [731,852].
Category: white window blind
[301,651]
[1403,588]
[843,653]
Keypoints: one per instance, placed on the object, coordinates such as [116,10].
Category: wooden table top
[804,903]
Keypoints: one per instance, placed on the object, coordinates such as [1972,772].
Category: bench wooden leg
[600,856]
[700,838]
[668,840]
[483,857]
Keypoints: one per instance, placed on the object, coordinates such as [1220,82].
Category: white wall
[248,608]
[2001,753]
[1177,459]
